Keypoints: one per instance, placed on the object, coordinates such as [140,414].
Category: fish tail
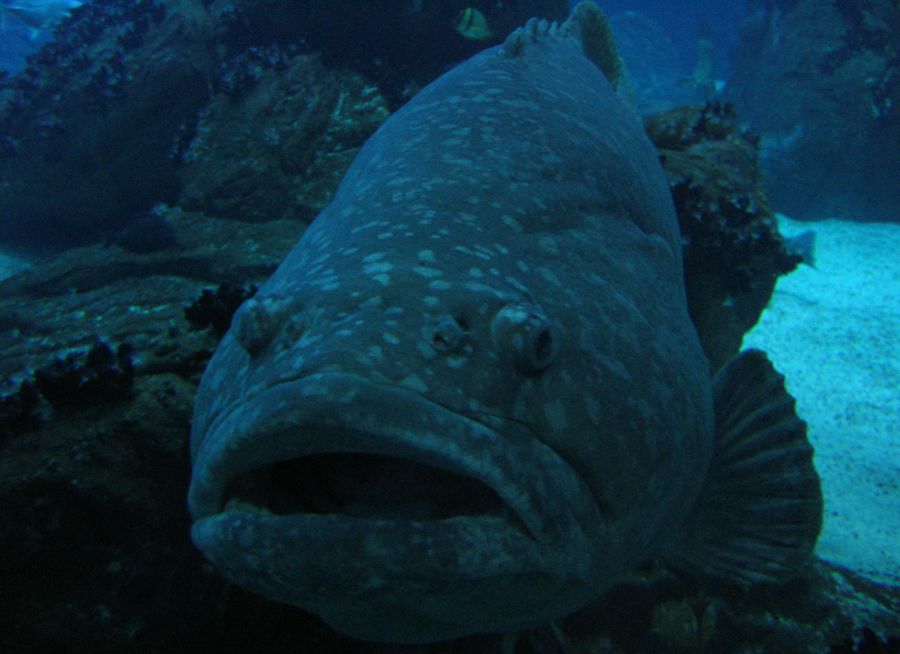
[587,26]
[760,511]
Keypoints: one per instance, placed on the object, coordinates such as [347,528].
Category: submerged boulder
[821,83]
[278,148]
[95,129]
[87,129]
[733,253]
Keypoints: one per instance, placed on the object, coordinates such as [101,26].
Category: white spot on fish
[426,351]
[414,383]
[439,285]
[431,301]
[426,256]
[397,181]
[476,272]
[378,268]
[512,281]
[375,256]
[424,271]
[550,276]
[384,280]
[549,245]
[390,338]
[368,225]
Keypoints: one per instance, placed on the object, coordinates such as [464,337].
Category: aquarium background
[159,158]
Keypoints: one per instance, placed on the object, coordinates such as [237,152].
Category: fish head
[368,445]
[458,405]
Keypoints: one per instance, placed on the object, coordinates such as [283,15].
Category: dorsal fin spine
[587,28]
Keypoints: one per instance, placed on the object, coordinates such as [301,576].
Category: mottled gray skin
[496,290]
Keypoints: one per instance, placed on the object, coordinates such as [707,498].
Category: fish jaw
[411,518]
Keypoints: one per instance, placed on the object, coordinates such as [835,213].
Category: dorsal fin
[588,28]
[530,32]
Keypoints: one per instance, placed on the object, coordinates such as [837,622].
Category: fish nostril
[257,321]
[447,335]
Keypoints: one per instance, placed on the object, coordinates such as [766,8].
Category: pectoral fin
[760,511]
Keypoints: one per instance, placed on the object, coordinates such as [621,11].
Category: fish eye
[448,334]
[524,334]
[256,321]
[542,348]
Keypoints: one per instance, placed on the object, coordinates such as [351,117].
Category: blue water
[682,20]
[679,19]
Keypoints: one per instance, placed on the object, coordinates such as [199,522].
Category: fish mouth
[365,487]
[338,495]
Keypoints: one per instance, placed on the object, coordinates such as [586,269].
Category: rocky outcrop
[733,253]
[279,148]
[101,124]
[820,81]
[87,129]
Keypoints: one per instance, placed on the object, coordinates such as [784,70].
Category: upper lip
[335,413]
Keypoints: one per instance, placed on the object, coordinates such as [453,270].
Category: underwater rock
[94,557]
[62,303]
[868,643]
[656,611]
[71,383]
[77,382]
[20,411]
[95,128]
[400,45]
[733,252]
[215,308]
[147,232]
[821,83]
[276,145]
[90,121]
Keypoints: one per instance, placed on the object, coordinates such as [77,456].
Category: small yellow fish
[471,24]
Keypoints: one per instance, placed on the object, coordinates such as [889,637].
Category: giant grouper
[471,398]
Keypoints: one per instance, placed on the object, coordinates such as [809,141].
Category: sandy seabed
[834,332]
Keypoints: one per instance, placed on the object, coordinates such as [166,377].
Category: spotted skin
[495,292]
